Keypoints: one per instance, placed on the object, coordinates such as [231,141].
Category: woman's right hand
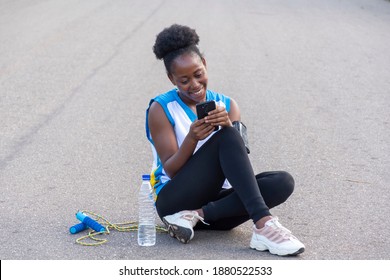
[200,130]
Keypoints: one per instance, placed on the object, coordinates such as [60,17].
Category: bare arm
[172,157]
[234,114]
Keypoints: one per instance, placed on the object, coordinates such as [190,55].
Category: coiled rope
[122,227]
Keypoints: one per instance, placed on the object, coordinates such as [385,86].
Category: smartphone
[203,108]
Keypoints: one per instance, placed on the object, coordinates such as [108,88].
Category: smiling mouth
[198,92]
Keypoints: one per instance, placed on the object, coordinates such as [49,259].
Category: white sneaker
[180,225]
[276,238]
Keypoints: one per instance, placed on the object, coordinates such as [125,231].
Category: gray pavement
[312,79]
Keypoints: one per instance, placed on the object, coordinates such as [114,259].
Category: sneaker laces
[275,225]
[193,217]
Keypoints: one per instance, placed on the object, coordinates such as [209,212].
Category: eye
[198,74]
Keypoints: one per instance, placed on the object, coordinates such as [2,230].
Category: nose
[194,84]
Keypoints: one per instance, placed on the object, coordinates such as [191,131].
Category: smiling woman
[200,174]
[185,65]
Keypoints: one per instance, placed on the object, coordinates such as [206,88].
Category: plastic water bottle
[146,214]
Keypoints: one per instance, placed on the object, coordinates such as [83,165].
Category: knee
[229,132]
[231,136]
[287,183]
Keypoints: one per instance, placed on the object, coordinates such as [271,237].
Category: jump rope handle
[91,223]
[77,228]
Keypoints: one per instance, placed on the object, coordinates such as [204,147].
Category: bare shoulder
[156,113]
[155,109]
[157,120]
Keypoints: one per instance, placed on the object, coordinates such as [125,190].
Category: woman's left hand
[218,117]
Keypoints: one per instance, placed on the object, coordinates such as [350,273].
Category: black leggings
[199,182]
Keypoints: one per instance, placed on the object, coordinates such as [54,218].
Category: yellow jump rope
[99,225]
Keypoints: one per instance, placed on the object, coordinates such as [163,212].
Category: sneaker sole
[180,233]
[279,253]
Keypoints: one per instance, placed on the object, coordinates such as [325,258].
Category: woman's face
[189,74]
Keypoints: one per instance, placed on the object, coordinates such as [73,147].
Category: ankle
[200,212]
[261,223]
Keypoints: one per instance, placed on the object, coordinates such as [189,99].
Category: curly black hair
[174,41]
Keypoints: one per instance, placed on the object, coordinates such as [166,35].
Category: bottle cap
[146,177]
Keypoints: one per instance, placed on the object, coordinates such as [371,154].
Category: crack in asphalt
[28,137]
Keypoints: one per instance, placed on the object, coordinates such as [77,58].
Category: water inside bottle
[146,235]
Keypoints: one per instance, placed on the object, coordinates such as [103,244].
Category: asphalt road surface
[312,79]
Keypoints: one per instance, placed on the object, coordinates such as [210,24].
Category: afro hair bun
[174,38]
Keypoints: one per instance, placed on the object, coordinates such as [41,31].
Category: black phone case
[204,107]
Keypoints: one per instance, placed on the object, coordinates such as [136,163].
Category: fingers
[218,117]
[200,129]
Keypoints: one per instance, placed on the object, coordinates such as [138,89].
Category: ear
[204,61]
[170,77]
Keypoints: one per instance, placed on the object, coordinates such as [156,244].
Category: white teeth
[197,92]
